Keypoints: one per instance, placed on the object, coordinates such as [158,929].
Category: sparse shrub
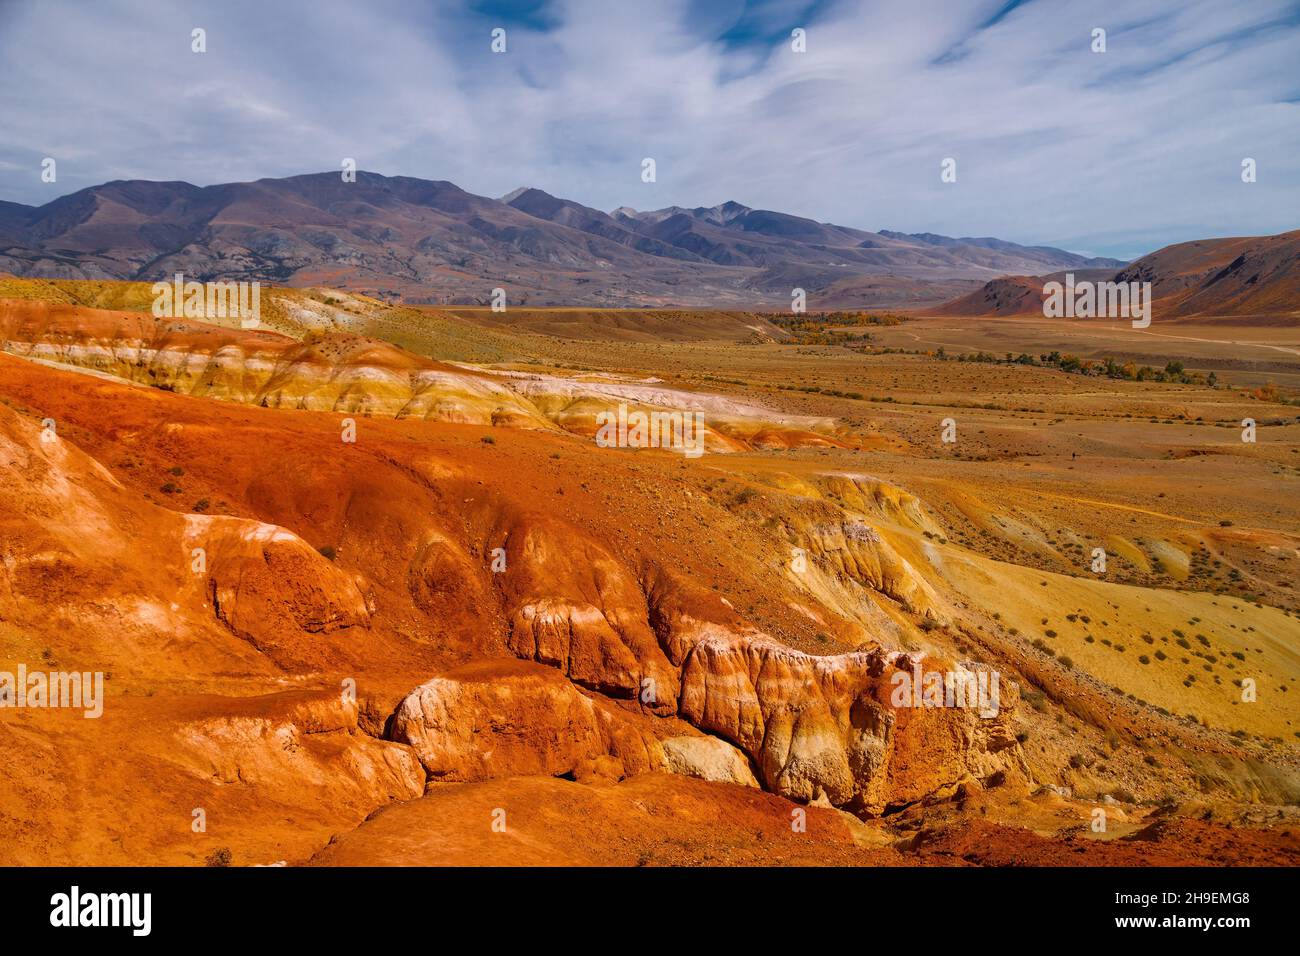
[1035,699]
[220,857]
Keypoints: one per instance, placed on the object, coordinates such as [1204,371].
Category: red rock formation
[626,662]
[502,718]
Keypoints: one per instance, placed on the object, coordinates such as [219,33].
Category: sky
[1108,153]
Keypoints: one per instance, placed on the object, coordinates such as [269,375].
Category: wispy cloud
[1112,153]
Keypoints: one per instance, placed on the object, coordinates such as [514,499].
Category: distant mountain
[430,241]
[1049,255]
[1256,275]
[541,205]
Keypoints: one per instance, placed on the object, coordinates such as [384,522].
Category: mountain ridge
[421,240]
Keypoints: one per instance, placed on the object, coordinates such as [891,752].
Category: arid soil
[364,590]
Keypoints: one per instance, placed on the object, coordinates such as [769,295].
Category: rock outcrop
[855,550]
[827,727]
[501,718]
[822,727]
[571,604]
[275,743]
[273,589]
[708,758]
[814,728]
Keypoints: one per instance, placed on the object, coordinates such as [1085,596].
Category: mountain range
[431,241]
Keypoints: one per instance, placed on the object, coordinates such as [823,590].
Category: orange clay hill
[360,603]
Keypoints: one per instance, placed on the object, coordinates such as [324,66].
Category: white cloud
[1109,153]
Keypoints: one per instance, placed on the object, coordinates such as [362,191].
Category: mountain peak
[514,194]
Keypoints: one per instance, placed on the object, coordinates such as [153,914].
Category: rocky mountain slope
[430,241]
[1250,276]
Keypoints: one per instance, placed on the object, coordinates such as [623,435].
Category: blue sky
[1113,153]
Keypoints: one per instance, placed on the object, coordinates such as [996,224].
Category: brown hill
[1257,275]
[1246,276]
[1009,295]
